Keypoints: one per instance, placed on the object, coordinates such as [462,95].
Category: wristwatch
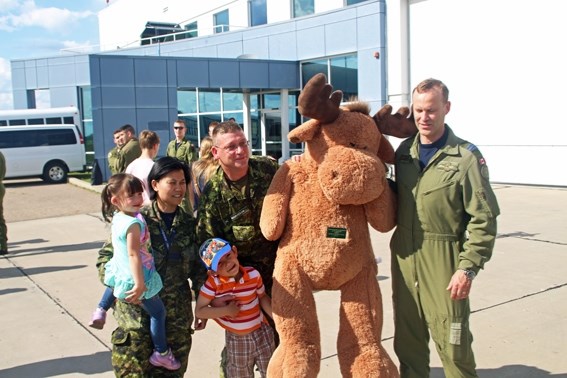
[469,273]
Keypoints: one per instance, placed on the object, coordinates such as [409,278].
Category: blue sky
[42,28]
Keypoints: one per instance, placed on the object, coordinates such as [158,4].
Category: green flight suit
[3,227]
[446,221]
[187,153]
[176,260]
[127,154]
[113,158]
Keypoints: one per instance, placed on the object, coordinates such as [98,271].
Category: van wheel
[55,173]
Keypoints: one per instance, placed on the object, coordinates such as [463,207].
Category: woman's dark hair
[118,184]
[162,167]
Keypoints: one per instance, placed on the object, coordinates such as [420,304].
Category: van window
[35,138]
[17,122]
[53,120]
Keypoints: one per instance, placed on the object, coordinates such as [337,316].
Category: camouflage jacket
[113,157]
[131,340]
[186,151]
[128,153]
[228,213]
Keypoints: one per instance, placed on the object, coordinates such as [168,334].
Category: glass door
[271,131]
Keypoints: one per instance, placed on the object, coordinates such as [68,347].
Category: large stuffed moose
[320,208]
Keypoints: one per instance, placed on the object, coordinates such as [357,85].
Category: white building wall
[504,66]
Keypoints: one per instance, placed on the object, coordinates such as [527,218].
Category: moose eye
[354,145]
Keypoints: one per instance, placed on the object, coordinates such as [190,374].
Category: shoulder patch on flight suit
[483,168]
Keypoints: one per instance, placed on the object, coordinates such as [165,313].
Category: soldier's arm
[481,205]
[104,255]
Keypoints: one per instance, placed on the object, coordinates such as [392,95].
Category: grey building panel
[61,60]
[263,30]
[310,43]
[282,47]
[42,77]
[371,7]
[224,74]
[150,72]
[284,75]
[327,18]
[368,32]
[18,78]
[371,78]
[62,74]
[82,73]
[205,52]
[18,64]
[339,42]
[19,98]
[258,48]
[113,119]
[31,77]
[118,97]
[63,96]
[151,97]
[230,50]
[192,73]
[171,72]
[117,71]
[254,74]
[153,119]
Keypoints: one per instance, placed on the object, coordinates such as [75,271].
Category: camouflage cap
[212,250]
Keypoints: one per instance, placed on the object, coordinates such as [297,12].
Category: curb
[85,185]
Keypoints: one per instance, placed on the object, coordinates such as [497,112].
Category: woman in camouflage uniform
[173,244]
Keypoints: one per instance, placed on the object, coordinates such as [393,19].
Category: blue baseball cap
[212,250]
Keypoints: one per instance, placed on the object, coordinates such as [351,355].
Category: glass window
[17,122]
[192,30]
[272,101]
[187,100]
[35,121]
[220,20]
[209,100]
[232,101]
[351,2]
[258,12]
[53,120]
[191,123]
[344,75]
[255,101]
[310,69]
[205,120]
[303,7]
[86,103]
[238,117]
[68,120]
[256,137]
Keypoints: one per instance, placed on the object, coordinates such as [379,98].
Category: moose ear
[304,132]
[385,151]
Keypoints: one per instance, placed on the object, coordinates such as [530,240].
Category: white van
[46,151]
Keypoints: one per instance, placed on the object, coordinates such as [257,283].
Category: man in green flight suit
[182,149]
[130,149]
[114,153]
[3,227]
[446,229]
[231,203]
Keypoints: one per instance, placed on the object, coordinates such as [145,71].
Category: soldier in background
[182,149]
[3,228]
[130,149]
[114,153]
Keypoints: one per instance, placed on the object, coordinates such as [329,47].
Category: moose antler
[316,100]
[398,125]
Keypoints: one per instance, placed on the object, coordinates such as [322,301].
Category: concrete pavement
[49,287]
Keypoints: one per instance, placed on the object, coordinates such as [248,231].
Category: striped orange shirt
[246,291]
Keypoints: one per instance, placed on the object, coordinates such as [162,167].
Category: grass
[84,176]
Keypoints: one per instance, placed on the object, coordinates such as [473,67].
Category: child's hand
[222,300]
[200,324]
[133,295]
[232,309]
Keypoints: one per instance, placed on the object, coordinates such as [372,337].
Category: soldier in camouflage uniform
[184,150]
[3,228]
[114,153]
[130,150]
[176,259]
[231,204]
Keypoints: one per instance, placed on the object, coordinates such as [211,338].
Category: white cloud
[6,101]
[29,14]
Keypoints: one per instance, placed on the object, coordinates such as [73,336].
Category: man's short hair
[117,131]
[128,128]
[429,84]
[225,128]
[148,139]
[181,121]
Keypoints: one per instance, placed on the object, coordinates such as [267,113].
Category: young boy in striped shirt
[249,338]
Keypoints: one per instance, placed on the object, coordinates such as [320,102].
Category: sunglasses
[178,128]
